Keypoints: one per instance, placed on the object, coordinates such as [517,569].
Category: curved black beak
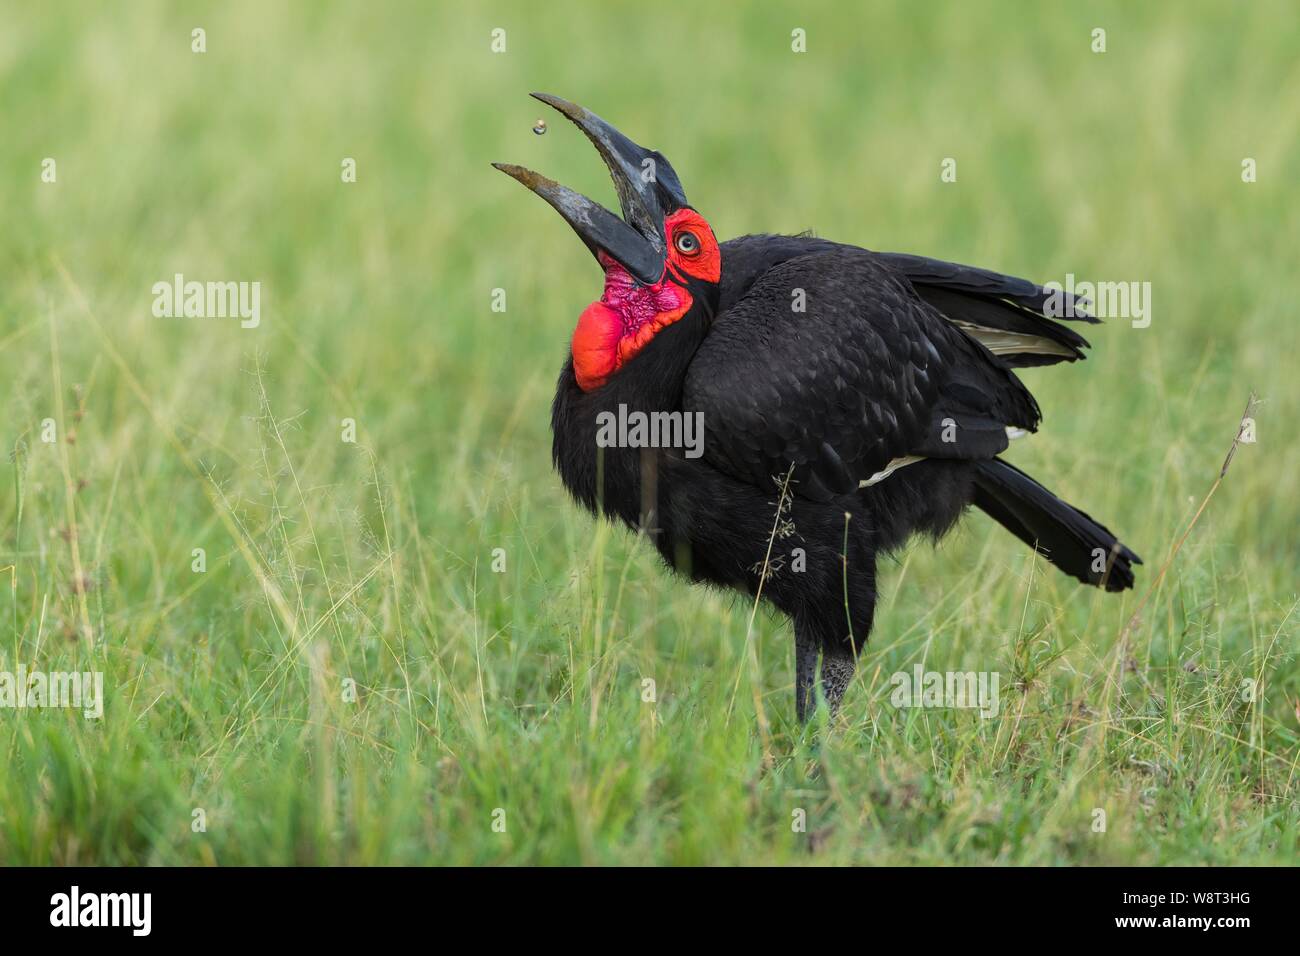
[647,186]
[595,225]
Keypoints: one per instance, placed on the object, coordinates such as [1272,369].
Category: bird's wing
[865,374]
[1010,316]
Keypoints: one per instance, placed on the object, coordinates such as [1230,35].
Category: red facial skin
[610,332]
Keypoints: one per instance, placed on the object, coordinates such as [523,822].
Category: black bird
[849,400]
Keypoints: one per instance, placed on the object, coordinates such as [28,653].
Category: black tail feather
[1060,532]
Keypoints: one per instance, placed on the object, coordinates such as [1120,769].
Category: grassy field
[349,680]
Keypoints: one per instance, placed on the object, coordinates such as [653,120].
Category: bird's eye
[687,244]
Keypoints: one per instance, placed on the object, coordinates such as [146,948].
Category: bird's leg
[838,663]
[807,645]
[840,649]
[835,628]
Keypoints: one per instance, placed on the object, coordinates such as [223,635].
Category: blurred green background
[371,562]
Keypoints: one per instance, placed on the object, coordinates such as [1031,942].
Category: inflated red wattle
[595,345]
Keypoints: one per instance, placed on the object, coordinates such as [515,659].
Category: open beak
[647,187]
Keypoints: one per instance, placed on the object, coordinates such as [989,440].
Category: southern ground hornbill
[849,400]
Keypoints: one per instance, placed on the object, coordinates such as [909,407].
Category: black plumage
[850,400]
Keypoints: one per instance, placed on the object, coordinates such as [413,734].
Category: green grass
[372,561]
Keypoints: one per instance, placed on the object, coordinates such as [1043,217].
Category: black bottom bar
[338,905]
